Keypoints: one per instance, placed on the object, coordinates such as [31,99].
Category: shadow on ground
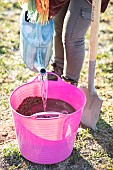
[104,136]
[14,160]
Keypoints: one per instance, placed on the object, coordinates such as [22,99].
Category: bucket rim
[34,82]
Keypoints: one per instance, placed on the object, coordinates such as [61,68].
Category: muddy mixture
[32,105]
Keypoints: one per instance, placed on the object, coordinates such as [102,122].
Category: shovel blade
[91,110]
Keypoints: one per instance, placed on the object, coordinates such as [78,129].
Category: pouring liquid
[44,89]
[44,93]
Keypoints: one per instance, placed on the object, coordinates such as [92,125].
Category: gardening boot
[55,69]
[70,81]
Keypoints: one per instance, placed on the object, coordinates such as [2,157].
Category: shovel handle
[95,19]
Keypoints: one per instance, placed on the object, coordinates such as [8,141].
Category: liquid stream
[44,89]
[44,92]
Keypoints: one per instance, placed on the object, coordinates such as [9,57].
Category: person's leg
[75,26]
[58,51]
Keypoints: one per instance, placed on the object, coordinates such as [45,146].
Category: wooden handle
[95,19]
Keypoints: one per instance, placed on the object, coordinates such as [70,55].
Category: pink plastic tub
[49,140]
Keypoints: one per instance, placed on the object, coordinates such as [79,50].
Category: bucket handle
[37,77]
[58,78]
[34,116]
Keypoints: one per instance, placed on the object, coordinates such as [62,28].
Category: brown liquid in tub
[32,105]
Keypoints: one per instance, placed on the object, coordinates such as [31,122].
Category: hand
[55,6]
[103,5]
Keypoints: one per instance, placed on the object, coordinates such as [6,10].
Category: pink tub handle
[37,77]
[48,113]
[59,79]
